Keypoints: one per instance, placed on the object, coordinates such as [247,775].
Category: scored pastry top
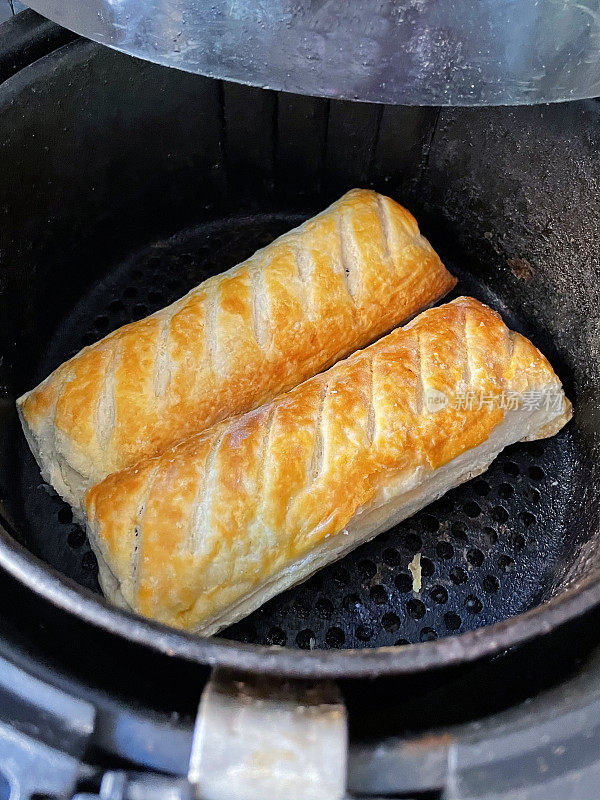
[316,294]
[207,522]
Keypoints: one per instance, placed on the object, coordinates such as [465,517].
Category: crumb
[521,269]
[415,571]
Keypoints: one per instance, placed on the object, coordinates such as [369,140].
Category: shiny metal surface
[425,52]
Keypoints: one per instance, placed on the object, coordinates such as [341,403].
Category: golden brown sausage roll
[311,297]
[206,532]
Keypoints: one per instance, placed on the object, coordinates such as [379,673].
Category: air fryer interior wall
[127,183]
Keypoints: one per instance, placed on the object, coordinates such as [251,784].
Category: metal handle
[259,737]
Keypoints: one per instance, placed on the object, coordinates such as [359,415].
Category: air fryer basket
[126,184]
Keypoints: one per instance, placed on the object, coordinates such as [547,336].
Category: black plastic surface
[26,37]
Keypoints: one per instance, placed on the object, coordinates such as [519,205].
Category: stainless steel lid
[422,52]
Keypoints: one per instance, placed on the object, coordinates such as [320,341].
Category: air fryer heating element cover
[127,184]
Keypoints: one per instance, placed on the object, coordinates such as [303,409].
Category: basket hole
[444,506]
[88,338]
[88,562]
[75,538]
[335,637]
[481,488]
[276,636]
[505,490]
[452,621]
[490,536]
[490,584]
[137,274]
[391,557]
[367,569]
[155,297]
[510,468]
[475,556]
[444,550]
[305,639]
[101,323]
[140,310]
[301,607]
[459,531]
[439,595]
[415,609]
[351,602]
[537,450]
[532,495]
[341,576]
[505,563]
[517,541]
[378,594]
[401,642]
[391,622]
[536,473]
[364,633]
[427,567]
[473,604]
[116,307]
[499,514]
[472,509]
[429,523]
[403,582]
[458,575]
[412,542]
[65,515]
[428,635]
[246,632]
[130,293]
[527,518]
[324,607]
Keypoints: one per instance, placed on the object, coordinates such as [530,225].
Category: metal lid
[416,52]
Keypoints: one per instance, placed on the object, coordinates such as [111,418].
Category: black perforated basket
[129,184]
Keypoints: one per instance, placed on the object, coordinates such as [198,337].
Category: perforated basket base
[489,549]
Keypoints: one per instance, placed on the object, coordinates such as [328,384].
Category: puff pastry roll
[208,531]
[310,298]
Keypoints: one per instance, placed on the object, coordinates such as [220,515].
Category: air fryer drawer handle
[262,737]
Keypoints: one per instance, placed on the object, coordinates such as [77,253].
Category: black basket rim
[453,650]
